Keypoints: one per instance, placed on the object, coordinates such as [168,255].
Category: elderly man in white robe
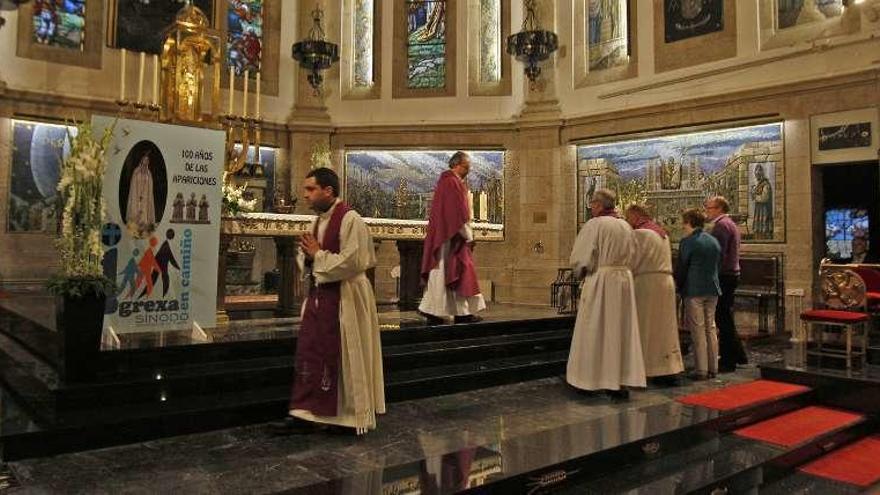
[338,379]
[655,297]
[606,351]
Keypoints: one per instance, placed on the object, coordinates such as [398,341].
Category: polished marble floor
[249,460]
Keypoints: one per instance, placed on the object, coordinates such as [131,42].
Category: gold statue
[190,45]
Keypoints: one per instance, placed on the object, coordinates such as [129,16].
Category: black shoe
[467,319]
[622,394]
[665,380]
[698,377]
[292,426]
[340,430]
[432,320]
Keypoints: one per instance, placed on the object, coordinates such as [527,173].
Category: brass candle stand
[139,109]
[245,130]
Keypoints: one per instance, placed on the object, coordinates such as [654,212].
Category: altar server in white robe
[339,378]
[606,351]
[655,297]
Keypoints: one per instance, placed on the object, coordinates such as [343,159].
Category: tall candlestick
[257,109]
[155,79]
[122,76]
[244,105]
[484,206]
[231,91]
[470,205]
[141,77]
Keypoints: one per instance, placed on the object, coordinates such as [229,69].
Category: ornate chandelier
[532,45]
[314,53]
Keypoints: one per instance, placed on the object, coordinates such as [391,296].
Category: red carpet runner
[857,463]
[743,394]
[796,427]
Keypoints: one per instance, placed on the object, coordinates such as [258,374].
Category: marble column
[410,274]
[540,198]
[309,120]
[290,292]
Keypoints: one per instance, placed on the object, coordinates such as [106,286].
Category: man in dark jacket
[730,348]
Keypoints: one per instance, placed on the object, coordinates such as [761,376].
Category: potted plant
[80,286]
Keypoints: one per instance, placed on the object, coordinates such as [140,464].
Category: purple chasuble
[318,345]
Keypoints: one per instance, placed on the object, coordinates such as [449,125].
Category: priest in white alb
[655,297]
[338,380]
[606,351]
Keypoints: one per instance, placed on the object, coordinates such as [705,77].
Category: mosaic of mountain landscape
[400,184]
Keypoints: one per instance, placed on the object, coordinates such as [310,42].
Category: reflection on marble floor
[40,308]
[515,425]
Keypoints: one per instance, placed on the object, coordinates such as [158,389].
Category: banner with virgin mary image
[161,238]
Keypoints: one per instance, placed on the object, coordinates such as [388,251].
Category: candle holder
[138,109]
[245,130]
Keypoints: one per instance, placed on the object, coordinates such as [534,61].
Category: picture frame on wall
[844,137]
[672,171]
[689,18]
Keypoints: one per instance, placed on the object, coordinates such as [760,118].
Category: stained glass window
[60,23]
[364,20]
[426,43]
[607,33]
[490,40]
[244,42]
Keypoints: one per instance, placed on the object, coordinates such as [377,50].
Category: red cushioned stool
[845,299]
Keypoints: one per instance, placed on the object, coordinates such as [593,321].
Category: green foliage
[60,285]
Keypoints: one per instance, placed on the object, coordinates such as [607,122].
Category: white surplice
[655,303]
[606,351]
[361,380]
[439,300]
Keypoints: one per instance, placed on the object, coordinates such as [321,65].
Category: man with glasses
[730,349]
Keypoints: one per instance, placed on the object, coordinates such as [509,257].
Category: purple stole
[318,345]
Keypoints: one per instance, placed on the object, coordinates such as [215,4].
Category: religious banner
[161,240]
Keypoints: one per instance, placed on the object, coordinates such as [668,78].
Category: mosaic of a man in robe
[141,211]
[762,194]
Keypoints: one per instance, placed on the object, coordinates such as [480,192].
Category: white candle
[484,205]
[122,76]
[244,105]
[141,78]
[231,91]
[155,79]
[470,205]
[257,109]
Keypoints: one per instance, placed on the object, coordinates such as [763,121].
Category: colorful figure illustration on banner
[129,275]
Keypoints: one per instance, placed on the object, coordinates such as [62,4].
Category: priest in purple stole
[338,380]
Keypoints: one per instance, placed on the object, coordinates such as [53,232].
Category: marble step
[425,359]
[855,390]
[729,463]
[168,415]
[799,483]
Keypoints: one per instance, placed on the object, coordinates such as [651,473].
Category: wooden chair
[845,308]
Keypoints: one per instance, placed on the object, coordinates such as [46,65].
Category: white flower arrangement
[80,190]
[234,202]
